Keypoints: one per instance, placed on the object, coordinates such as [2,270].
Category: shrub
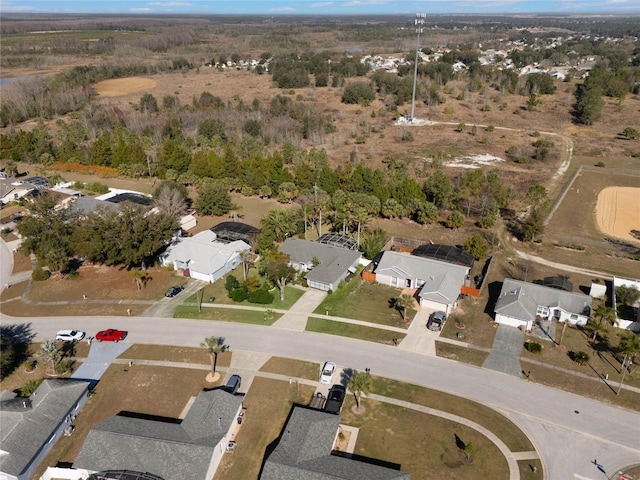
[600,164]
[581,358]
[238,295]
[28,388]
[447,111]
[30,365]
[490,128]
[63,367]
[358,92]
[39,274]
[533,347]
[261,296]
[407,136]
[231,283]
[97,187]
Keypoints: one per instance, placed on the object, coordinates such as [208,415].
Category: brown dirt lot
[120,87]
[618,212]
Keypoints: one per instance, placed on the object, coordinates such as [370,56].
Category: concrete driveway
[101,354]
[506,350]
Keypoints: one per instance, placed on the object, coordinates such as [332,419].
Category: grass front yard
[368,301]
[292,368]
[426,446]
[370,334]
[221,314]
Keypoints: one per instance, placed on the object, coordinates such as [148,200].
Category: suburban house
[631,320]
[30,427]
[439,282]
[203,257]
[304,450]
[520,304]
[190,449]
[231,231]
[327,265]
[12,189]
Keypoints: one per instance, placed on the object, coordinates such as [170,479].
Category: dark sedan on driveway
[173,291]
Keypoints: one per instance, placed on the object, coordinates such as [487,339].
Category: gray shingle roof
[23,433]
[442,280]
[334,261]
[169,450]
[521,299]
[304,452]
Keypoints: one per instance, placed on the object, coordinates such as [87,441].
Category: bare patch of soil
[120,87]
[618,211]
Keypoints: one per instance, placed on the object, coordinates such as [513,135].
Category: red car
[111,335]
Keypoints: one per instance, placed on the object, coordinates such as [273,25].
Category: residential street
[567,441]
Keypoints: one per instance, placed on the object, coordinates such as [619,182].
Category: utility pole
[419,21]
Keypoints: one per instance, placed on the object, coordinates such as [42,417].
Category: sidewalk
[296,317]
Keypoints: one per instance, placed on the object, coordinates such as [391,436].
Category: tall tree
[629,346]
[281,223]
[605,313]
[213,199]
[213,346]
[50,353]
[359,384]
[402,303]
[275,266]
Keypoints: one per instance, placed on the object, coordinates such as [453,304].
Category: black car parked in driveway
[335,398]
[173,291]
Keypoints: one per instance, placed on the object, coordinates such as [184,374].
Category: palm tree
[469,450]
[359,384]
[49,352]
[603,312]
[403,302]
[213,345]
[140,277]
[629,346]
[596,328]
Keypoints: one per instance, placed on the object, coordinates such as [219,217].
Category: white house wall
[437,305]
[513,322]
[221,448]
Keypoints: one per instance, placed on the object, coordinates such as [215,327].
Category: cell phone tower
[419,21]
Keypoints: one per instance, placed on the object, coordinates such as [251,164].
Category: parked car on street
[328,369]
[69,335]
[437,321]
[111,335]
[335,398]
[173,291]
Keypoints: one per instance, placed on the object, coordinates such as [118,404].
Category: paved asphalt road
[568,441]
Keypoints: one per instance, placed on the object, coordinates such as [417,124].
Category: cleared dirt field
[618,212]
[124,86]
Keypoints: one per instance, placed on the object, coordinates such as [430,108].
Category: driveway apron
[100,357]
[505,352]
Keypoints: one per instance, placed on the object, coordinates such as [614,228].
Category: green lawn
[225,315]
[343,329]
[361,300]
[292,368]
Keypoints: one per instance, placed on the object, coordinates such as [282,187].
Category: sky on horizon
[320,7]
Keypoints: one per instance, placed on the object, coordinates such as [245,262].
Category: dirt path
[562,266]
